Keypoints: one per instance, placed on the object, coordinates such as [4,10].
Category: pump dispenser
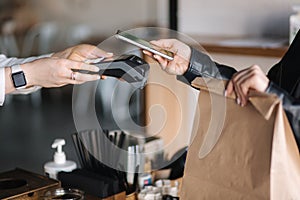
[59,162]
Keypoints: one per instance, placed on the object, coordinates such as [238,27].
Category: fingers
[148,53]
[79,78]
[90,51]
[242,82]
[176,46]
[181,60]
[82,52]
[229,89]
[81,66]
[103,77]
[242,86]
[165,43]
[161,43]
[236,84]
[75,77]
[162,61]
[96,53]
[232,89]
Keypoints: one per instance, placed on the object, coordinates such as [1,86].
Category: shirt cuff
[190,73]
[27,90]
[8,62]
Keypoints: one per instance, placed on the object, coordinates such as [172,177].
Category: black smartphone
[130,68]
[143,44]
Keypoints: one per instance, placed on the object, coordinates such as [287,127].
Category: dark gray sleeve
[201,65]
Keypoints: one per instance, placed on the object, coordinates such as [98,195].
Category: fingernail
[225,93]
[155,56]
[91,67]
[110,54]
[238,101]
[92,61]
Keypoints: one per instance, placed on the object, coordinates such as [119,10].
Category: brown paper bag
[240,152]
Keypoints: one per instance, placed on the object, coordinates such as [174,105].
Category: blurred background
[29,124]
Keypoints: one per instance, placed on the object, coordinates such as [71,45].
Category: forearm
[201,65]
[291,106]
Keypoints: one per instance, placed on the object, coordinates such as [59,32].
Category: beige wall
[76,21]
[235,17]
[105,17]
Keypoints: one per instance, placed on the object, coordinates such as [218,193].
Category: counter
[243,45]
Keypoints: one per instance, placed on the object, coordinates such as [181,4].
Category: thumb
[229,88]
[96,53]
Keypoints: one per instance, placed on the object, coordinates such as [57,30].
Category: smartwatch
[18,77]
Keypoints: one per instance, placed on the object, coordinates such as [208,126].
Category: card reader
[130,68]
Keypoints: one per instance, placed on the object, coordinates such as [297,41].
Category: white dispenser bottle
[294,22]
[59,162]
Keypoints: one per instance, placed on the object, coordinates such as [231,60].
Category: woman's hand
[245,80]
[62,67]
[82,53]
[182,55]
[57,72]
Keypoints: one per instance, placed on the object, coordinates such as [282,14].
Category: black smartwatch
[18,77]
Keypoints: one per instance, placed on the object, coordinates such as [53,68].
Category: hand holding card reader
[130,68]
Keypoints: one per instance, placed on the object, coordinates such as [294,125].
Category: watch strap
[15,69]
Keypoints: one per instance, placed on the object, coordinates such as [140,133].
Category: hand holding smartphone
[145,45]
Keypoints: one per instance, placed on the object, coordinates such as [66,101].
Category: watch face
[19,79]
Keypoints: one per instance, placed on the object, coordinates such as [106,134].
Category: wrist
[266,88]
[29,75]
[189,73]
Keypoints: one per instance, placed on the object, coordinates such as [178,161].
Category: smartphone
[130,68]
[143,44]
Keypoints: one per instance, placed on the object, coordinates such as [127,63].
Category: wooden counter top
[269,47]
